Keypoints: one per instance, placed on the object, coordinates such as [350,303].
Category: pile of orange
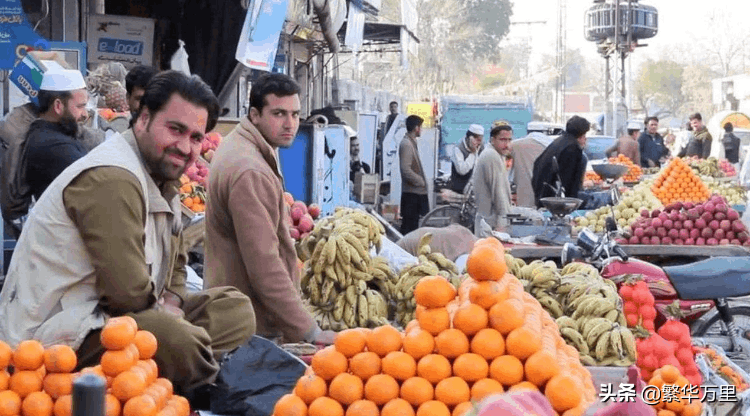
[634,173]
[683,402]
[678,183]
[593,177]
[487,338]
[192,194]
[42,379]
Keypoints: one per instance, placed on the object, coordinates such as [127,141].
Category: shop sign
[16,35]
[125,39]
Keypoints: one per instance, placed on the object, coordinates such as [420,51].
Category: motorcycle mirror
[587,240]
[570,253]
[555,166]
[610,224]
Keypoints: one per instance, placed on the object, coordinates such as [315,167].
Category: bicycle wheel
[442,217]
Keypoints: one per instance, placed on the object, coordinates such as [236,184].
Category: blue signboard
[16,35]
[260,35]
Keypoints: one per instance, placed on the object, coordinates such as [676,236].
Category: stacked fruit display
[192,195]
[198,172]
[210,144]
[591,179]
[731,191]
[727,168]
[42,379]
[723,368]
[705,167]
[301,217]
[678,183]
[684,401]
[711,223]
[634,174]
[586,307]
[626,211]
[341,279]
[493,337]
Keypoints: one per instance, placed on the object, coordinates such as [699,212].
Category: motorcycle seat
[715,278]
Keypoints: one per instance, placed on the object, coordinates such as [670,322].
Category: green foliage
[659,84]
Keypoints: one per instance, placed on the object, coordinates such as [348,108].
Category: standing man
[568,149]
[248,245]
[414,202]
[651,145]
[524,152]
[135,85]
[731,145]
[104,240]
[627,146]
[393,107]
[464,157]
[700,144]
[51,142]
[355,164]
[490,180]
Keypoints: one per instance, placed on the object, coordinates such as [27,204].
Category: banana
[304,280]
[330,274]
[623,362]
[363,311]
[615,343]
[425,240]
[351,295]
[580,308]
[330,250]
[602,346]
[443,262]
[587,360]
[425,269]
[612,315]
[596,332]
[360,275]
[576,338]
[315,296]
[628,342]
[621,320]
[601,307]
[566,322]
[357,260]
[552,306]
[338,310]
[325,322]
[350,314]
[607,361]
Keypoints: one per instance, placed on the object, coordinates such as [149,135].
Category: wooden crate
[366,187]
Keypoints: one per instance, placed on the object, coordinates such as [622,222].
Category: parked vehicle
[596,146]
[461,210]
[703,289]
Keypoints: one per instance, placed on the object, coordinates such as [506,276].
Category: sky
[680,21]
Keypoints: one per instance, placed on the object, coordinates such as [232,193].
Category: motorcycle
[702,289]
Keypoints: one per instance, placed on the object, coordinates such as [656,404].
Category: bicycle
[462,212]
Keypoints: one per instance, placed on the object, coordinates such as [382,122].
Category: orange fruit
[362,408]
[506,315]
[417,390]
[397,407]
[114,362]
[485,387]
[127,385]
[324,406]
[381,388]
[670,374]
[470,367]
[6,354]
[365,365]
[117,333]
[146,343]
[462,409]
[540,367]
[181,404]
[434,292]
[563,392]
[486,263]
[10,403]
[524,386]
[507,369]
[4,380]
[112,406]
[60,359]
[434,320]
[452,391]
[37,403]
[399,365]
[434,368]
[350,342]
[470,319]
[166,384]
[310,387]
[29,355]
[418,343]
[488,343]
[290,405]
[58,384]
[25,382]
[158,393]
[383,340]
[523,342]
[140,406]
[149,371]
[433,408]
[328,363]
[451,343]
[346,388]
[487,293]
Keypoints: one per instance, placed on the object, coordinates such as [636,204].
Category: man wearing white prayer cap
[52,142]
[464,157]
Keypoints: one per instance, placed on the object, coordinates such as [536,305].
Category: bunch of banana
[368,230]
[539,279]
[599,341]
[356,307]
[430,264]
[514,265]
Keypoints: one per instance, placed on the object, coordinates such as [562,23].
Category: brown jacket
[412,175]
[627,146]
[248,245]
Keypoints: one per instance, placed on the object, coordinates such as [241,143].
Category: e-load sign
[124,39]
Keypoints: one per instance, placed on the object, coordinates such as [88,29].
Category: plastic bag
[397,257]
[254,377]
[179,61]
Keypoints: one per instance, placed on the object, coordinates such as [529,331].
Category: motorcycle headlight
[587,240]
[570,253]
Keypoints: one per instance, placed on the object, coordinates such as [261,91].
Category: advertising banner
[124,39]
[16,35]
[259,40]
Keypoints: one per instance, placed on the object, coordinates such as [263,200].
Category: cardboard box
[389,212]
[366,187]
[27,75]
[125,39]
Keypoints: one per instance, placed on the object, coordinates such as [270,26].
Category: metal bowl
[561,206]
[609,170]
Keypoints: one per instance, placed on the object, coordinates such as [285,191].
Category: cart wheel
[442,217]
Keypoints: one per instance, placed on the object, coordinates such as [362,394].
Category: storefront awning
[380,33]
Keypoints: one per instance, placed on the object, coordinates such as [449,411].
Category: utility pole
[560,62]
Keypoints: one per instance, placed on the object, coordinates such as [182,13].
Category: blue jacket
[651,148]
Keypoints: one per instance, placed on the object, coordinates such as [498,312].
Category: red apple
[314,211]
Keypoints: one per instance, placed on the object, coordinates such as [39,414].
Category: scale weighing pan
[561,207]
[609,170]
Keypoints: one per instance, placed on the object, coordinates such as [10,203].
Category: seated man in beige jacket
[248,244]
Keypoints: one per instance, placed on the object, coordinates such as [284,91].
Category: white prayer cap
[477,129]
[350,131]
[62,80]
